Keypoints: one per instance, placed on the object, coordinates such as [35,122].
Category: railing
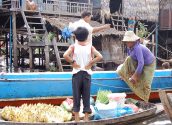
[10,4]
[63,7]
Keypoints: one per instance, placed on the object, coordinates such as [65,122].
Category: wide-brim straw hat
[130,36]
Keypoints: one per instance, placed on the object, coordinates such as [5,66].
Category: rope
[165,49]
[152,32]
[116,87]
[109,86]
[162,46]
[160,59]
[163,60]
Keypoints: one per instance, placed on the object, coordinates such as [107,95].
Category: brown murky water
[159,120]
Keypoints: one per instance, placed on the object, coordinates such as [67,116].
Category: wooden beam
[166,103]
[47,58]
[89,1]
[31,59]
[57,55]
[15,63]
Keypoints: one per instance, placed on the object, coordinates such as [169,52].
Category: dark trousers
[81,82]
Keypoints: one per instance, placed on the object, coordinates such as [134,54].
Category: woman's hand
[134,78]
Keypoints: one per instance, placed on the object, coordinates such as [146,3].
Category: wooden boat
[149,110]
[54,87]
[166,100]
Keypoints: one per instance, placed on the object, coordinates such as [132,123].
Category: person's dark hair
[166,65]
[81,34]
[85,13]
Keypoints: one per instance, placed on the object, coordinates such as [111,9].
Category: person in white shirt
[82,61]
[84,22]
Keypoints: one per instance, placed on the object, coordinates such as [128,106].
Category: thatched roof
[61,22]
[143,9]
[165,4]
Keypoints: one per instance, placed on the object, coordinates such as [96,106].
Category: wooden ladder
[34,23]
[118,22]
[59,49]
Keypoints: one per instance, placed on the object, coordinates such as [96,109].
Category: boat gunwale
[36,73]
[145,113]
[65,79]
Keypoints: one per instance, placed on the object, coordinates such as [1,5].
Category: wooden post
[57,55]
[10,44]
[156,38]
[166,44]
[31,58]
[47,58]
[24,4]
[6,41]
[22,60]
[15,63]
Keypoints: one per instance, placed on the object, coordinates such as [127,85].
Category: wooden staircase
[34,24]
[118,22]
[36,31]
[59,49]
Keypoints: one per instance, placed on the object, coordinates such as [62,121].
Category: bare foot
[77,119]
[86,117]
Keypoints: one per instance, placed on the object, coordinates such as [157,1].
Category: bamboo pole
[156,38]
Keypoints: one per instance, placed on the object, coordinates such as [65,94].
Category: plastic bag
[66,33]
[67,104]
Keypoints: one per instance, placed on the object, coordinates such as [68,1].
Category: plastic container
[118,97]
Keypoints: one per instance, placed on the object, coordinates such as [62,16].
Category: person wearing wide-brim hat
[138,68]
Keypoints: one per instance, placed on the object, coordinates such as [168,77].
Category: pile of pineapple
[36,113]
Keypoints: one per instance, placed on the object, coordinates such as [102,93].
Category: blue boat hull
[50,84]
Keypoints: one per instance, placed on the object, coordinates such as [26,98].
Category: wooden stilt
[31,58]
[15,63]
[7,44]
[47,58]
[57,55]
